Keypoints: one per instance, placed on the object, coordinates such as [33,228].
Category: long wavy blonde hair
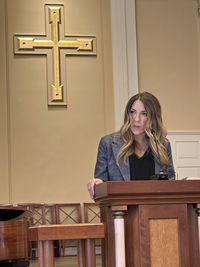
[154,120]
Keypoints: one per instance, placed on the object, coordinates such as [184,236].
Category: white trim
[131,47]
[181,132]
[124,53]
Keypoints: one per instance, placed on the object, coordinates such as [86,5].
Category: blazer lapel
[157,167]
[124,169]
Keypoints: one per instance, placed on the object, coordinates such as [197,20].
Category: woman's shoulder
[107,137]
[167,143]
[111,138]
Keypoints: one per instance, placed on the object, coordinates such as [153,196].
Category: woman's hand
[192,178]
[91,184]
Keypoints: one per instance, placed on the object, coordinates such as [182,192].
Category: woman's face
[139,115]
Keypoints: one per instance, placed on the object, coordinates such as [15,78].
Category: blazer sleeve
[171,165]
[101,168]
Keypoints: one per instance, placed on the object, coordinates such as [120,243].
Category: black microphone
[161,175]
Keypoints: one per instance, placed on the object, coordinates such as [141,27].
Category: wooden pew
[85,233]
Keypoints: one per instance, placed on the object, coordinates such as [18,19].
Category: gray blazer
[106,168]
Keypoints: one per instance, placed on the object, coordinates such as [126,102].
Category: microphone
[161,175]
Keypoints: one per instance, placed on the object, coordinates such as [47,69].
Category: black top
[142,168]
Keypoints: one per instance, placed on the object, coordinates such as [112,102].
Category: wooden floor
[69,261]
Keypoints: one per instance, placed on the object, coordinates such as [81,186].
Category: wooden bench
[85,233]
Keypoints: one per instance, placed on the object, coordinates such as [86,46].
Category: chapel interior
[48,140]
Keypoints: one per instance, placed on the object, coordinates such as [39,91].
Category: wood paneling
[166,217]
[164,242]
[151,192]
[108,243]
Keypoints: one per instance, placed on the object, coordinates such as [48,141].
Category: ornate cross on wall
[55,45]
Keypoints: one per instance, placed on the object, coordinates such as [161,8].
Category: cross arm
[80,44]
[31,43]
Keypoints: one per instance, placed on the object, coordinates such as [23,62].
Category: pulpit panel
[164,242]
[158,236]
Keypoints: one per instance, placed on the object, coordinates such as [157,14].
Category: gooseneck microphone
[161,175]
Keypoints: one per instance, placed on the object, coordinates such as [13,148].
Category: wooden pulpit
[160,222]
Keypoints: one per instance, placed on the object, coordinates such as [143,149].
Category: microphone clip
[159,176]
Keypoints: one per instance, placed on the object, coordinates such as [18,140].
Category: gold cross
[73,45]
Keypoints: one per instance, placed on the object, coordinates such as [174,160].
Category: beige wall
[52,150]
[48,153]
[168,58]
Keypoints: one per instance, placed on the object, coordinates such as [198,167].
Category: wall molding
[185,152]
[124,53]
[172,132]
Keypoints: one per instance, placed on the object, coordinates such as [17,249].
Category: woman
[131,153]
